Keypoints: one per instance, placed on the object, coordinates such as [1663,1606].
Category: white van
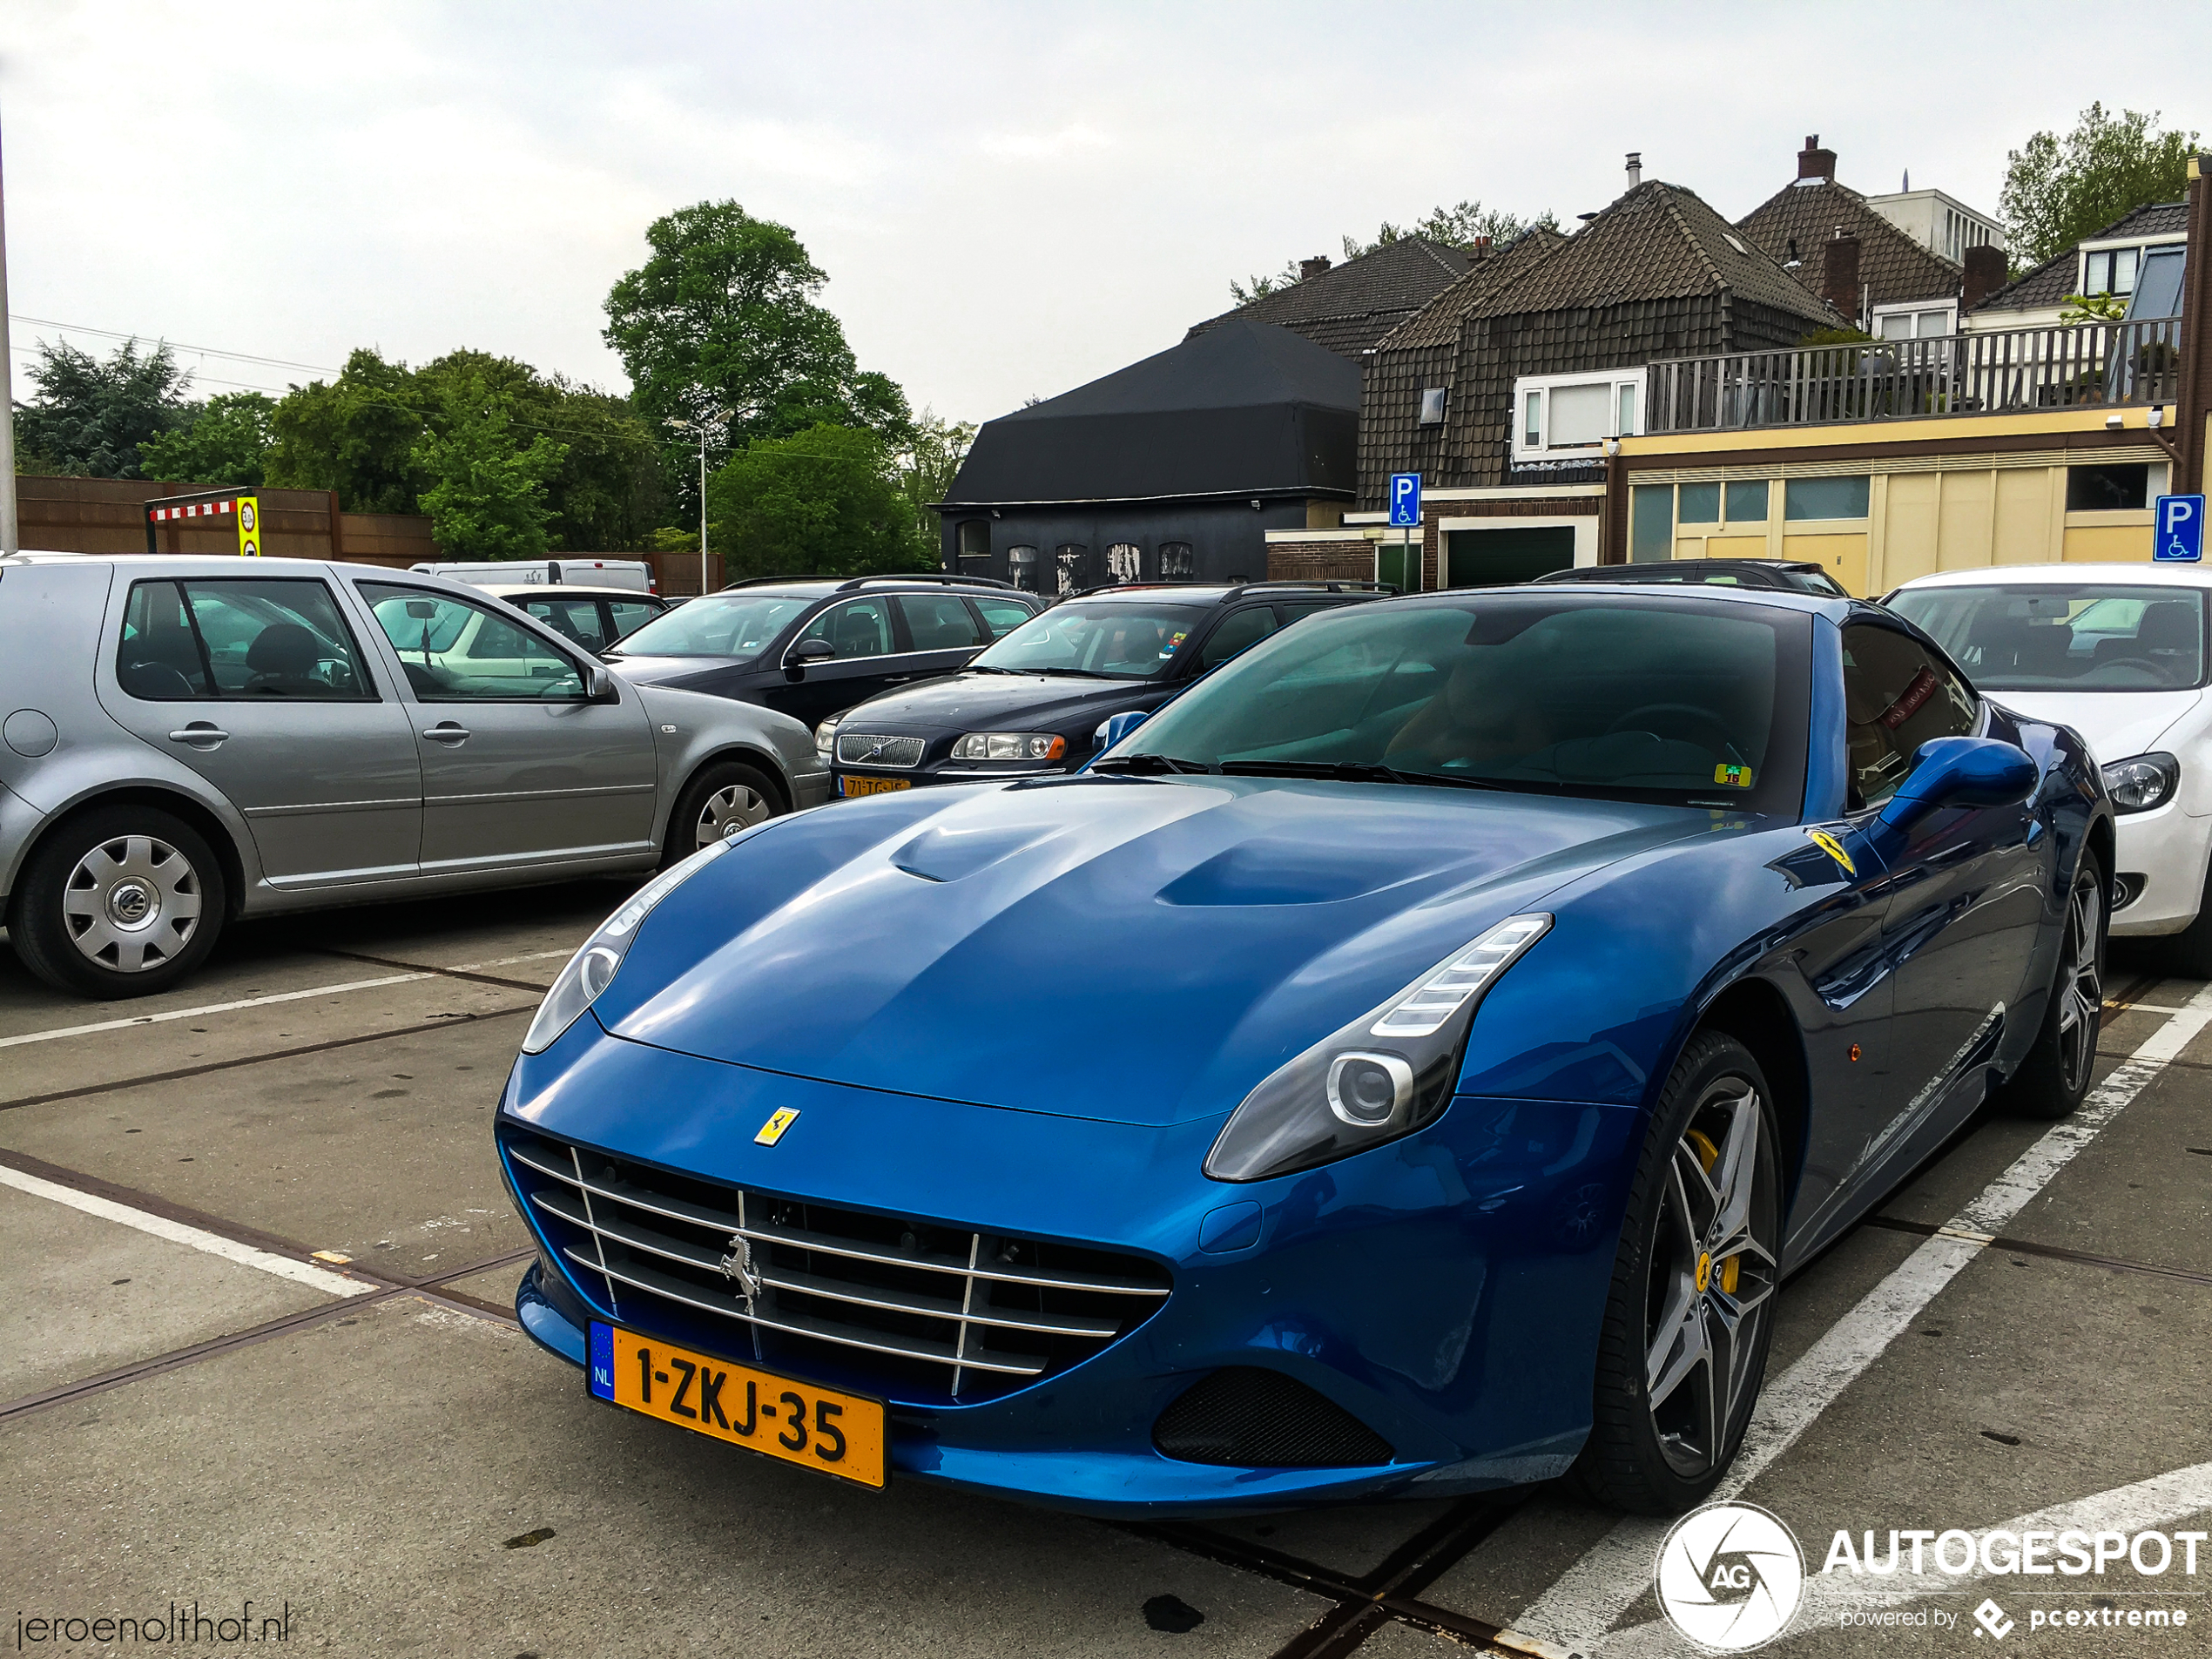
[634,574]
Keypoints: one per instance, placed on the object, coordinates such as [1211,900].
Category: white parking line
[205,1009]
[178,1233]
[1597,1590]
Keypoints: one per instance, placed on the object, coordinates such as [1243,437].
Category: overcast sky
[1009,200]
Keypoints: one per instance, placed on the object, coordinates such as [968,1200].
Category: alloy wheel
[131,903]
[1712,1276]
[727,811]
[2081,987]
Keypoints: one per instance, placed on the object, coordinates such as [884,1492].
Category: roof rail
[771,581]
[1316,583]
[944,578]
[1133,587]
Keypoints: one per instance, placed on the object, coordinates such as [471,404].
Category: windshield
[721,624]
[1698,702]
[1125,639]
[2066,637]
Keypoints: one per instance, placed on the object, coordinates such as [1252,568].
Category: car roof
[1213,593]
[1645,570]
[566,590]
[2177,575]
[1657,593]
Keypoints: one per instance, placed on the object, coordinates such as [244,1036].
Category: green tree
[355,435]
[2059,190]
[822,500]
[360,435]
[224,441]
[720,324]
[487,499]
[927,469]
[1456,227]
[88,416]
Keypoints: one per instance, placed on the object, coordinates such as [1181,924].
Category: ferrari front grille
[914,1310]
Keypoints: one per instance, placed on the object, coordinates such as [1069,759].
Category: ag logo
[1729,1576]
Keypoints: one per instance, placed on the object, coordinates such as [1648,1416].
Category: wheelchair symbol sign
[1405,501]
[2178,528]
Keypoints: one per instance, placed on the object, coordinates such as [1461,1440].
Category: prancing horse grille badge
[738,1268]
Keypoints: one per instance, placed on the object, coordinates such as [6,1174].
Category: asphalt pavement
[256,1275]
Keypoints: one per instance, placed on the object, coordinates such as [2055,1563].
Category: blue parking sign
[2177,529]
[1405,501]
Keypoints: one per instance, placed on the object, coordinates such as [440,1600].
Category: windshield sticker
[1910,700]
[1174,642]
[1739,777]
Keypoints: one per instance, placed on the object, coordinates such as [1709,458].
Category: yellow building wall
[2031,504]
[2109,543]
[1910,517]
[1842,554]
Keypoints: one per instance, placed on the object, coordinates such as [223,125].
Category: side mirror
[1115,727]
[1961,771]
[805,652]
[599,685]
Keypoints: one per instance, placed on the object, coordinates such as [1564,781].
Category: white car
[2118,652]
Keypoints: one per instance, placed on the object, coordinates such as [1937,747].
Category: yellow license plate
[817,1428]
[853,786]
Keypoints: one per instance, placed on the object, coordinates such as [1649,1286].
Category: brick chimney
[1313,267]
[1813,162]
[1839,275]
[1480,248]
[1986,273]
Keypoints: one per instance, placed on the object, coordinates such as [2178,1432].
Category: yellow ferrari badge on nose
[1833,848]
[772,1130]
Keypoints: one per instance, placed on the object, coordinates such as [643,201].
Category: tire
[121,901]
[2055,1076]
[1692,1289]
[725,797]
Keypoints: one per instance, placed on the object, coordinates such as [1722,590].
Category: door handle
[447,732]
[200,734]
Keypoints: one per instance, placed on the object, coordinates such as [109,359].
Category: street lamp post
[702,427]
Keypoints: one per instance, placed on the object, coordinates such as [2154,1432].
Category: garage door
[1490,558]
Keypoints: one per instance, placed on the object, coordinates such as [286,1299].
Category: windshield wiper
[1149,763]
[1350,772]
[990,668]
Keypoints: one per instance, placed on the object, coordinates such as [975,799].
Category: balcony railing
[2003,369]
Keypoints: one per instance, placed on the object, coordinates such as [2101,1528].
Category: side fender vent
[1248,1418]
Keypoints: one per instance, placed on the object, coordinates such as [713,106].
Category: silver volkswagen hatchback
[187,740]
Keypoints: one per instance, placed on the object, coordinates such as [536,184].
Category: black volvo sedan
[1034,701]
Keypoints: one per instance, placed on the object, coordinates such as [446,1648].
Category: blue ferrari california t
[1407,1062]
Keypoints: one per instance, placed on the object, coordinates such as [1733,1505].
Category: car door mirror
[1961,771]
[805,652]
[1115,727]
[599,685]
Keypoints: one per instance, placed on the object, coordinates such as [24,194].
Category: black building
[1174,467]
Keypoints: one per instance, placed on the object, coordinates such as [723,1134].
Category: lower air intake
[1255,1419]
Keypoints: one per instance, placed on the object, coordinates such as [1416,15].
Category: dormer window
[2110,270]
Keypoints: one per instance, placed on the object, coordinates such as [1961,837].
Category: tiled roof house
[1658,273]
[1839,248]
[1349,307]
[2039,296]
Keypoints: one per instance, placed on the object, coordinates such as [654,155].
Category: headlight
[1385,1074]
[2143,782]
[1009,746]
[592,968]
[825,738]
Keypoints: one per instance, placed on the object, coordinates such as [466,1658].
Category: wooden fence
[108,515]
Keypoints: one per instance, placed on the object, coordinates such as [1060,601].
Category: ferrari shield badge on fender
[1833,848]
[772,1130]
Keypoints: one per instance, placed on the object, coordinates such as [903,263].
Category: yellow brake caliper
[1708,1155]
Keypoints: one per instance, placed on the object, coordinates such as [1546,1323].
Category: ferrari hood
[1124,950]
[2115,724]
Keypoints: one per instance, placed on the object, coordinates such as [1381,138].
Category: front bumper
[1445,1290]
[2169,849]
